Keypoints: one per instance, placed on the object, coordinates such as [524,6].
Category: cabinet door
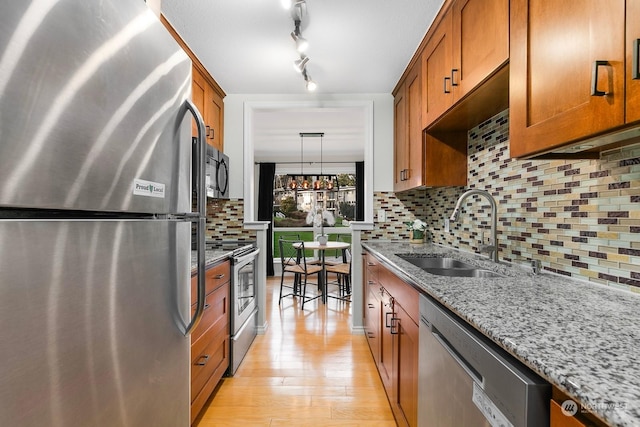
[400,139]
[559,419]
[198,96]
[633,61]
[214,119]
[481,43]
[437,95]
[385,365]
[554,49]
[406,351]
[415,148]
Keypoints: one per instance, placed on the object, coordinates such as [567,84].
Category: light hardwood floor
[307,370]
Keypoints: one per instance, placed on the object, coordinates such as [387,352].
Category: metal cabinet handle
[218,276]
[206,306]
[453,78]
[394,325]
[594,78]
[212,133]
[371,264]
[635,71]
[445,84]
[371,305]
[201,215]
[387,324]
[202,360]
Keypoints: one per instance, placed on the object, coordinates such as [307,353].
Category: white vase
[322,239]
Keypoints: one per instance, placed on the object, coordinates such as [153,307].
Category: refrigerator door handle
[199,164]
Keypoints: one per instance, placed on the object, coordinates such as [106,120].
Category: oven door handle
[246,257]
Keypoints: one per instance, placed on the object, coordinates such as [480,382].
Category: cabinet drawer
[371,264]
[214,276]
[213,356]
[216,311]
[403,293]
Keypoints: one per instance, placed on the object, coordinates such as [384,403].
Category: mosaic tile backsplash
[580,218]
[225,220]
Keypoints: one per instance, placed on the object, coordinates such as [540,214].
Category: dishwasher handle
[475,375]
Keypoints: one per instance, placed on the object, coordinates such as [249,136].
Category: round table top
[329,245]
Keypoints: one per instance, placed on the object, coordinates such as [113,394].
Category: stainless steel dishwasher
[467,380]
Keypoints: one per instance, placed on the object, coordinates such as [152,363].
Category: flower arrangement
[318,217]
[416,229]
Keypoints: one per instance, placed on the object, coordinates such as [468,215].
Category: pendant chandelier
[321,181]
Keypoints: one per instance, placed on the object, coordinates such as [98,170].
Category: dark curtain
[265,207]
[359,191]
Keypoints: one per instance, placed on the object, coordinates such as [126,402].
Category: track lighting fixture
[301,43]
[287,4]
[300,64]
[311,85]
[296,35]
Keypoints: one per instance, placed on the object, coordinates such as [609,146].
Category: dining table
[322,248]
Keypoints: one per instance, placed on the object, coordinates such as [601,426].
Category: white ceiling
[355,47]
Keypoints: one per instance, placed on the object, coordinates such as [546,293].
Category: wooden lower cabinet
[406,351]
[391,326]
[560,417]
[210,339]
[386,365]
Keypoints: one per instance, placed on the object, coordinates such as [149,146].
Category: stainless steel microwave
[217,174]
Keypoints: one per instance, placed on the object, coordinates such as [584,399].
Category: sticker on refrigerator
[488,408]
[148,188]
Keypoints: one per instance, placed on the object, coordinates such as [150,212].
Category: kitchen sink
[438,263]
[444,266]
[462,272]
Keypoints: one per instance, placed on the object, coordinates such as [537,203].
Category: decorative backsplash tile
[580,218]
[225,219]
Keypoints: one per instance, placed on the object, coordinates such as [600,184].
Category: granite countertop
[211,257]
[583,338]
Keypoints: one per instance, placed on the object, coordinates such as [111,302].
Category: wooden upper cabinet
[556,49]
[414,127]
[400,138]
[408,151]
[210,104]
[480,42]
[206,95]
[437,94]
[198,95]
[633,61]
[468,45]
[215,119]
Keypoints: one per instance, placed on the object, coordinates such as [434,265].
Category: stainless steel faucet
[492,248]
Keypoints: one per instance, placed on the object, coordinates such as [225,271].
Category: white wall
[382,133]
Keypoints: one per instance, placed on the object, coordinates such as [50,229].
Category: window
[299,207]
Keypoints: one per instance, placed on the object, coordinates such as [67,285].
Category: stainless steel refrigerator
[95,216]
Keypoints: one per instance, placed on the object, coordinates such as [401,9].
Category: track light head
[300,64]
[311,85]
[301,43]
[296,35]
[287,4]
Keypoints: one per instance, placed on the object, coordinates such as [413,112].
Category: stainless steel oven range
[244,305]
